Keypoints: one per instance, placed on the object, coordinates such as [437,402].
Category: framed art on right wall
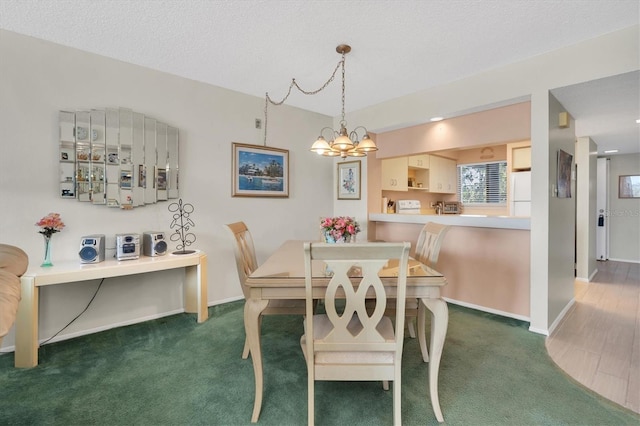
[629,186]
[565,162]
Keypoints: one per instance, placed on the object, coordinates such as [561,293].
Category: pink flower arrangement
[340,227]
[50,224]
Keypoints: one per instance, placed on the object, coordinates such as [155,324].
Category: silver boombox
[127,246]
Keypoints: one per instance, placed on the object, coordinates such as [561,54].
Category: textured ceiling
[399,47]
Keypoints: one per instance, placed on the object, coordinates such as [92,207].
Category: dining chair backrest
[370,258]
[429,243]
[244,252]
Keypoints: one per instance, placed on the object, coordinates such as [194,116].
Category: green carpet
[173,371]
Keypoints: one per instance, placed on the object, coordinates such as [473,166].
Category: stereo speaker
[92,248]
[153,244]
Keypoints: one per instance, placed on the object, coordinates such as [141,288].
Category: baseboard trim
[539,331]
[587,280]
[489,310]
[223,301]
[624,260]
[561,316]
[100,328]
[9,349]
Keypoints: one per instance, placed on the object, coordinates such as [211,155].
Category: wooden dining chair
[246,263]
[354,345]
[427,251]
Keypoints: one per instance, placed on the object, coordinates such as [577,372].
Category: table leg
[252,310]
[26,354]
[195,290]
[439,323]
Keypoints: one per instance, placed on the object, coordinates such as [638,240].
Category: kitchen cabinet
[442,175]
[521,158]
[395,174]
[419,161]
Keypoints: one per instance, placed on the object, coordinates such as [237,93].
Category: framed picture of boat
[349,180]
[260,171]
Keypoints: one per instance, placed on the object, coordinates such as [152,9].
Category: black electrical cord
[77,316]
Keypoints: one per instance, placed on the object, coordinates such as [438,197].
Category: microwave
[451,207]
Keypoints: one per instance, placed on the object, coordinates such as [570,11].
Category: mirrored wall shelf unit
[117,157]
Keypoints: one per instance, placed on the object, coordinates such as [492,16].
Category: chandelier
[340,142]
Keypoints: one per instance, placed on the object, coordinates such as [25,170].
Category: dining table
[282,276]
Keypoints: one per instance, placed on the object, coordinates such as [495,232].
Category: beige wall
[495,126]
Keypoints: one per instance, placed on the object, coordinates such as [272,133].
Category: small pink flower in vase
[49,225]
[339,229]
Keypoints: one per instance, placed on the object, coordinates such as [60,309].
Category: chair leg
[397,411]
[245,351]
[310,399]
[412,328]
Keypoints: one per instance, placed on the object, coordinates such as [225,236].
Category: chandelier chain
[295,84]
[342,62]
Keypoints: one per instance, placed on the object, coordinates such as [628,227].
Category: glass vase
[328,238]
[47,251]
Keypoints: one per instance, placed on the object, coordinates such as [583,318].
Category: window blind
[483,183]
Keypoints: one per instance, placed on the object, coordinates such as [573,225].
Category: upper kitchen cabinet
[521,158]
[406,173]
[395,174]
[442,175]
[419,161]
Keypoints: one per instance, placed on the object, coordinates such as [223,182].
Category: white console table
[195,290]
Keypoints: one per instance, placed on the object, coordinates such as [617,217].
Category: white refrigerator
[520,197]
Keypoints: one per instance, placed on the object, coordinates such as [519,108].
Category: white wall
[562,218]
[586,214]
[624,214]
[530,79]
[38,78]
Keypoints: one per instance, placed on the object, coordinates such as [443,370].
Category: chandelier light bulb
[366,145]
[320,146]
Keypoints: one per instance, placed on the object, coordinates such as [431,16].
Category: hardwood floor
[598,342]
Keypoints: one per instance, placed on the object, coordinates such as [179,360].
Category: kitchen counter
[485,258]
[470,220]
